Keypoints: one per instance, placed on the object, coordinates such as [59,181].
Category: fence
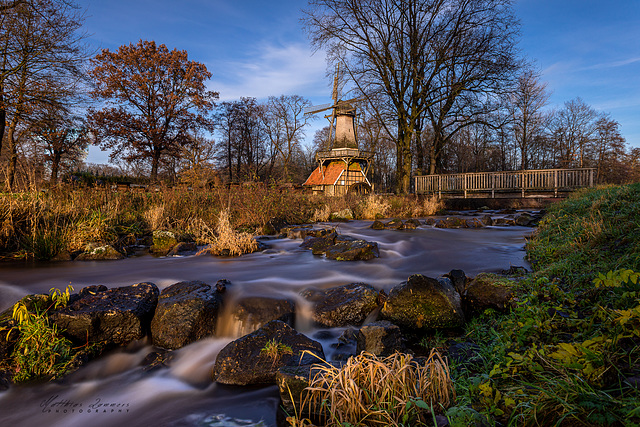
[520,182]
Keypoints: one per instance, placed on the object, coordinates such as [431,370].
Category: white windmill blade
[317,108]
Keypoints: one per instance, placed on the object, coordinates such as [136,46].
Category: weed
[274,350]
[40,351]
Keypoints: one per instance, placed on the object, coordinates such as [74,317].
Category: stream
[115,390]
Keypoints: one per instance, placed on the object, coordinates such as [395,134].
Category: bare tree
[430,56]
[528,118]
[609,150]
[63,137]
[284,122]
[573,129]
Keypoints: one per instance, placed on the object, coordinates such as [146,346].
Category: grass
[41,225]
[391,391]
[593,231]
[566,353]
[273,350]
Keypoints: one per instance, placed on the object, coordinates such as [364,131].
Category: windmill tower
[343,168]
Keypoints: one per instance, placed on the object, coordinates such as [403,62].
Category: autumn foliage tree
[154,98]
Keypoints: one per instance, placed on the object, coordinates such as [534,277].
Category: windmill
[342,168]
[342,118]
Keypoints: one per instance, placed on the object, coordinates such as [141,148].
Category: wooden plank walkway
[505,184]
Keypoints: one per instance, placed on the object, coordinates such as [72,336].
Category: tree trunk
[155,161]
[13,158]
[55,164]
[403,161]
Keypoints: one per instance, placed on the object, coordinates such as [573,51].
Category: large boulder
[347,248]
[381,338]
[486,292]
[423,303]
[341,247]
[116,316]
[320,244]
[451,222]
[255,358]
[251,313]
[342,305]
[186,312]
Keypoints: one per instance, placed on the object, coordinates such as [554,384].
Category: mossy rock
[163,241]
[423,303]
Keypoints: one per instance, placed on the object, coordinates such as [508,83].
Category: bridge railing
[511,181]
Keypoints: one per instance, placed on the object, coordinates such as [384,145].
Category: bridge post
[522,184]
[439,186]
[555,183]
[493,185]
[465,186]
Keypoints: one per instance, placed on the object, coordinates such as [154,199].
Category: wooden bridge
[511,184]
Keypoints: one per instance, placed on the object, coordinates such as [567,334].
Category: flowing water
[115,390]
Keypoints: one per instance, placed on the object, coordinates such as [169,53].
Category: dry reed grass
[155,217]
[428,206]
[391,391]
[375,207]
[231,242]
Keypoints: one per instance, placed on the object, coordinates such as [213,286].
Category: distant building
[343,169]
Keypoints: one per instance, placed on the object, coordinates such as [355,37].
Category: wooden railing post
[493,185]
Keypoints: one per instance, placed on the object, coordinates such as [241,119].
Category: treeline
[440,85]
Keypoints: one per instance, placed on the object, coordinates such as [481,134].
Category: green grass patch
[596,230]
[566,353]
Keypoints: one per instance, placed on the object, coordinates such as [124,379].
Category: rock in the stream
[163,241]
[347,248]
[451,222]
[251,313]
[255,358]
[342,305]
[381,338]
[484,292]
[99,253]
[459,280]
[341,247]
[186,312]
[343,215]
[183,248]
[423,303]
[116,316]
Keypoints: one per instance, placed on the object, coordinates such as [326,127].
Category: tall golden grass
[229,241]
[42,224]
[391,391]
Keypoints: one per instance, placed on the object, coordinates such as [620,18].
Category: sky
[256,48]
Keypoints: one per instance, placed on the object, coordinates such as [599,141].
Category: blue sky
[256,48]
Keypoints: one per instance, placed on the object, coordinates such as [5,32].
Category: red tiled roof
[331,174]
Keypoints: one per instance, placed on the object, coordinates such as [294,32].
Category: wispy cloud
[612,64]
[272,70]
